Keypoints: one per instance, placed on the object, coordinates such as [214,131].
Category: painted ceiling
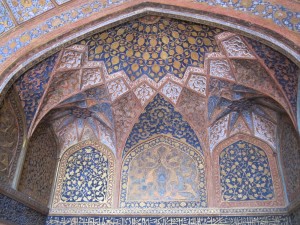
[157,75]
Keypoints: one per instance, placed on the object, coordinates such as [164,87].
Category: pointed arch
[85,179]
[160,117]
[236,160]
[163,172]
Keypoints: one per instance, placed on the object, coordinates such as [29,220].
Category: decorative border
[177,212]
[279,196]
[153,142]
[204,220]
[77,207]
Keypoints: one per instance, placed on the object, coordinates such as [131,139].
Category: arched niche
[245,174]
[163,172]
[84,181]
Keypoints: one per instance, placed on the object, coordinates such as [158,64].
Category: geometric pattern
[164,173]
[85,178]
[152,46]
[284,69]
[160,117]
[245,173]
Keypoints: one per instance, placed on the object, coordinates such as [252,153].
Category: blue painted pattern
[245,173]
[153,46]
[26,9]
[285,70]
[160,117]
[86,176]
[279,14]
[17,213]
[32,84]
[6,22]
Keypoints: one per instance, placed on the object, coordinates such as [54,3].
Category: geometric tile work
[31,86]
[245,173]
[160,117]
[290,155]
[152,46]
[39,166]
[164,173]
[6,22]
[85,178]
[25,10]
[285,70]
[203,220]
[14,212]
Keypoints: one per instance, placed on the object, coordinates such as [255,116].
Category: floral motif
[39,166]
[245,173]
[198,83]
[164,173]
[24,10]
[235,47]
[117,88]
[144,93]
[85,177]
[220,68]
[6,21]
[70,60]
[218,132]
[91,77]
[264,129]
[290,155]
[171,91]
